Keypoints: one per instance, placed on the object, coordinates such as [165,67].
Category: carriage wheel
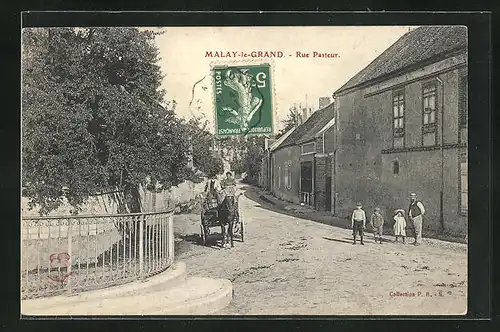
[203,235]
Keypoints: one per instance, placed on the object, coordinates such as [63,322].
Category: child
[377,224]
[399,225]
[358,221]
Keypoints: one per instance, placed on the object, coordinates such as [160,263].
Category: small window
[308,148]
[395,167]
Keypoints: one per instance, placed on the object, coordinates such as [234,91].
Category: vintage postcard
[244,170]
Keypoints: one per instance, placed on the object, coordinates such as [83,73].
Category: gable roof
[308,130]
[417,47]
[280,140]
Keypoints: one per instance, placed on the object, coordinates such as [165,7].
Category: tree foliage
[250,151]
[204,158]
[92,120]
[292,120]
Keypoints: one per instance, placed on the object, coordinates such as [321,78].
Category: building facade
[300,169]
[402,127]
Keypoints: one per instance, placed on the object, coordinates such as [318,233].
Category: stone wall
[365,158]
[151,202]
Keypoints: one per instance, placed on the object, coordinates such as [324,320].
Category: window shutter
[462,98]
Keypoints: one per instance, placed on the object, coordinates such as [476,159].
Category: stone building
[402,127]
[265,176]
[300,165]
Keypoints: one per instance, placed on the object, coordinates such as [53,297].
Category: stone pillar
[320,185]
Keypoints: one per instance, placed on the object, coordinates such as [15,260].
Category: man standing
[415,212]
[358,223]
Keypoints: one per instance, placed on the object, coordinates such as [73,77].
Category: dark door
[306,176]
[328,191]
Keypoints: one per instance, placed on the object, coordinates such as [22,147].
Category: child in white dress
[399,225]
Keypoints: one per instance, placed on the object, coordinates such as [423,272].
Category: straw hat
[399,210]
[413,195]
[377,209]
[358,204]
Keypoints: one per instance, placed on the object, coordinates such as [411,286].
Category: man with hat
[415,213]
[358,221]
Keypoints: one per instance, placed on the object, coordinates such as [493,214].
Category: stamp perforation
[245,62]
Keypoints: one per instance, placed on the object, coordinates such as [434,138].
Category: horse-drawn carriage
[224,215]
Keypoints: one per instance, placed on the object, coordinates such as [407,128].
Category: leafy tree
[92,118]
[292,120]
[249,157]
[204,158]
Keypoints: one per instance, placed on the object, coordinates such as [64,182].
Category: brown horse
[227,214]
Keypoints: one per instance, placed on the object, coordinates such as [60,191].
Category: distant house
[265,177]
[300,169]
[402,127]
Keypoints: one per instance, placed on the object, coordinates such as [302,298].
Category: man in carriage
[221,208]
[228,186]
[212,192]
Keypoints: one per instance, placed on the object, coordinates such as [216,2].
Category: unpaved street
[292,266]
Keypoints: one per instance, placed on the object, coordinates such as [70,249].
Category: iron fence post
[70,254]
[170,237]
[141,246]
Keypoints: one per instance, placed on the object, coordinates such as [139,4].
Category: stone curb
[173,276]
[206,305]
[214,300]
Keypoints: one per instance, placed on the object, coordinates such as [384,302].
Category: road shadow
[254,193]
[263,202]
[336,240]
[211,241]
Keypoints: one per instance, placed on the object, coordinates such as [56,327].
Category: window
[429,115]
[279,177]
[463,185]
[288,174]
[308,148]
[395,167]
[398,106]
[462,105]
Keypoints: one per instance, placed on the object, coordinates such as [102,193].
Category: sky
[296,80]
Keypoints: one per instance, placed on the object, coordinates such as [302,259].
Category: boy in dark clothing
[377,224]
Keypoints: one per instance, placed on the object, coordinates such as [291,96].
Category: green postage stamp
[243,100]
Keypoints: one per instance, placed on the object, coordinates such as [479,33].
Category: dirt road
[292,266]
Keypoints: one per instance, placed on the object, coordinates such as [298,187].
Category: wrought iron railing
[70,254]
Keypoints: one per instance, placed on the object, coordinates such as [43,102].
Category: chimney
[304,114]
[324,101]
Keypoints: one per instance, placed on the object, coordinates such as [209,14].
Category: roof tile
[417,46]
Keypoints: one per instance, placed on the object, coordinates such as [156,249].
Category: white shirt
[358,214]
[421,207]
